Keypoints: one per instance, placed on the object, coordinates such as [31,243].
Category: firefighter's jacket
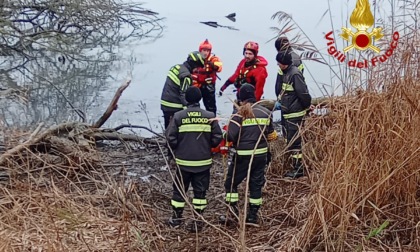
[246,133]
[208,73]
[294,95]
[254,74]
[177,82]
[279,80]
[191,135]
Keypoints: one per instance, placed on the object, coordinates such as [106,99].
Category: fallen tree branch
[56,130]
[121,137]
[137,127]
[112,106]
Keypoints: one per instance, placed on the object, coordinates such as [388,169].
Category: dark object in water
[62,59]
[231,17]
[211,23]
[215,25]
[144,12]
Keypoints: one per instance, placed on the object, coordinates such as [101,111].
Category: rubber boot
[231,219]
[197,224]
[297,171]
[176,219]
[252,215]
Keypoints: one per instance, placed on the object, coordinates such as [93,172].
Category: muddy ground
[145,167]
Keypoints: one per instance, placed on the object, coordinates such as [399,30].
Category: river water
[90,87]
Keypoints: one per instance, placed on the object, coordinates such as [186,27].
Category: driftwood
[33,139]
[137,127]
[122,137]
[112,106]
[69,138]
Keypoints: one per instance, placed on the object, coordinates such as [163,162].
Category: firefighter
[177,82]
[283,44]
[191,134]
[205,77]
[251,69]
[249,130]
[295,101]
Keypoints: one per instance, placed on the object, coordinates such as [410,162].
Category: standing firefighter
[177,82]
[249,130]
[191,134]
[251,69]
[282,44]
[205,77]
[295,100]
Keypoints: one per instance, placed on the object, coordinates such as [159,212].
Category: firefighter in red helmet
[251,69]
[205,77]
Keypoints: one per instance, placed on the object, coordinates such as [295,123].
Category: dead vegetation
[61,191]
[362,192]
[366,174]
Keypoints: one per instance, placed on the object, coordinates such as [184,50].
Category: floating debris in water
[211,23]
[231,17]
[215,25]
[143,11]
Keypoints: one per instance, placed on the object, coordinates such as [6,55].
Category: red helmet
[253,46]
[205,45]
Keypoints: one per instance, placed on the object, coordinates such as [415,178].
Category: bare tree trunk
[112,106]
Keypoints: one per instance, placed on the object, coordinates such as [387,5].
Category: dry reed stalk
[366,152]
[70,205]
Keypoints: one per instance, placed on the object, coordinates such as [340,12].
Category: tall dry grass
[72,203]
[364,155]
[365,168]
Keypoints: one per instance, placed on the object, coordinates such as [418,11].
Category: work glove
[220,92]
[272,136]
[277,106]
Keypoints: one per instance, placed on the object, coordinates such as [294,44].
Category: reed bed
[362,192]
[365,171]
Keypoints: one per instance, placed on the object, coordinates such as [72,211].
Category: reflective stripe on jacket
[279,79]
[191,135]
[294,96]
[245,133]
[173,93]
